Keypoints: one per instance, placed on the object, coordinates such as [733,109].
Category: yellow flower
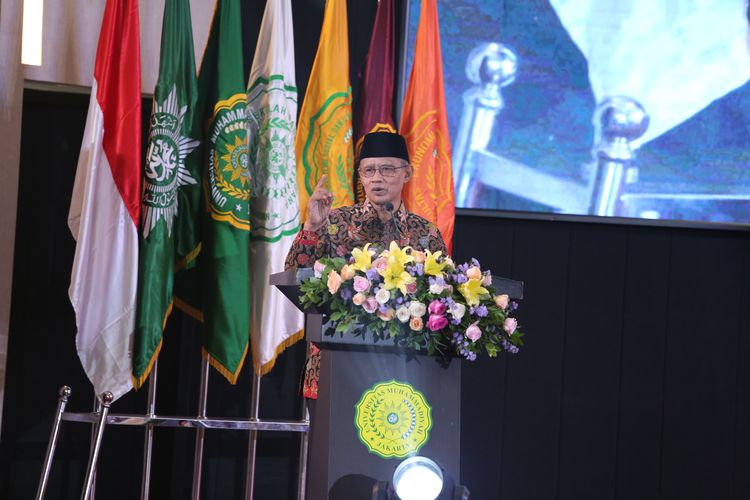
[400,255]
[362,258]
[431,265]
[395,276]
[472,291]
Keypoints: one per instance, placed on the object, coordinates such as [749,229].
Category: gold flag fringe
[289,341]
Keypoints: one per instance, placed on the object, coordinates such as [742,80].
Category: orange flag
[424,124]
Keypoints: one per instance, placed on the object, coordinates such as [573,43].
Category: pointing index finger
[321,182]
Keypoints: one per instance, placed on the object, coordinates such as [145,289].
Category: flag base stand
[236,424]
[101,417]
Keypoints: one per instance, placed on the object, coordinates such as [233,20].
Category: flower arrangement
[421,300]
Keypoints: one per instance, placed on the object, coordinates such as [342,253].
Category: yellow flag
[324,143]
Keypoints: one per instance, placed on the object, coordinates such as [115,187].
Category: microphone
[389,207]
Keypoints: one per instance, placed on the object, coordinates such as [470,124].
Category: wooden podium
[377,405]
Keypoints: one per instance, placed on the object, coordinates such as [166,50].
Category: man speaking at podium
[384,169]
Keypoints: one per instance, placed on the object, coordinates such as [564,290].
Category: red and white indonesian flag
[104,210]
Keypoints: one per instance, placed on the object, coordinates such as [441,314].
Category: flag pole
[54,435]
[106,401]
[253,440]
[97,409]
[200,433]
[304,441]
[149,437]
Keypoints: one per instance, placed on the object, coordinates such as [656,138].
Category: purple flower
[479,311]
[460,278]
[508,346]
[475,262]
[346,293]
[372,274]
[419,269]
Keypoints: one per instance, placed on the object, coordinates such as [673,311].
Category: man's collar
[369,209]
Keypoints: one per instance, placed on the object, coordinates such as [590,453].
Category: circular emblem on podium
[393,419]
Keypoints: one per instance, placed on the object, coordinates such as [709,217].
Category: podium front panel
[373,409]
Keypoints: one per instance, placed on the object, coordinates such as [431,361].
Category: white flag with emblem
[274,205]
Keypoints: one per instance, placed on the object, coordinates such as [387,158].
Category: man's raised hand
[318,206]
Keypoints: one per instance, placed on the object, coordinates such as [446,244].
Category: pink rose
[436,307]
[411,287]
[359,299]
[370,305]
[501,301]
[473,332]
[509,325]
[334,281]
[487,280]
[474,273]
[361,284]
[387,315]
[416,324]
[318,267]
[347,272]
[437,322]
[380,264]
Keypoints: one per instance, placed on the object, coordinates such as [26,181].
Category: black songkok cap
[383,144]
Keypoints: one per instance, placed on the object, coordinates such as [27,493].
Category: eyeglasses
[385,170]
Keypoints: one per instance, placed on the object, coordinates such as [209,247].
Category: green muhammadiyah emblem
[393,419]
[273,170]
[228,180]
[165,170]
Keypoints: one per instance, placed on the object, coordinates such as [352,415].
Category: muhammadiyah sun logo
[227,180]
[165,171]
[393,419]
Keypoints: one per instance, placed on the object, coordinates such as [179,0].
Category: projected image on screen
[598,107]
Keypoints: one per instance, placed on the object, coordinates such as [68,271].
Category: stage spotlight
[418,478]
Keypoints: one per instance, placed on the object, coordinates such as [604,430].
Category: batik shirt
[354,226]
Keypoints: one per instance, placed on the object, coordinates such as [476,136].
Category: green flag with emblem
[225,287]
[171,188]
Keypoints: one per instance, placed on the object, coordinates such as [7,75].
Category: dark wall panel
[593,328]
[534,384]
[483,382]
[701,366]
[741,470]
[642,365]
